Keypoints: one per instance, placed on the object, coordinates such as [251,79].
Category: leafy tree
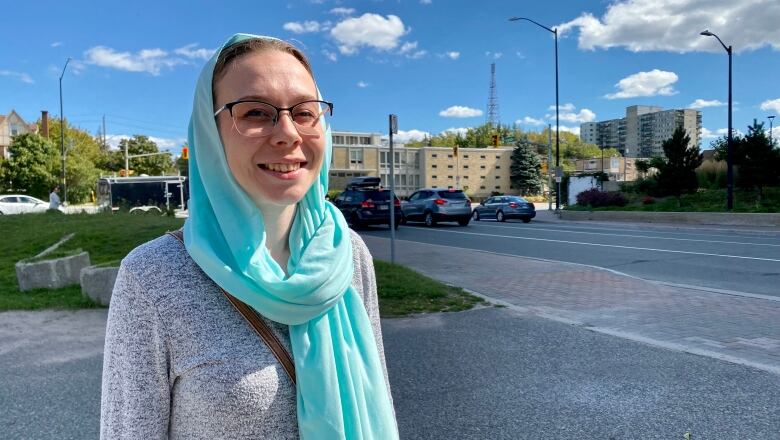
[677,170]
[525,171]
[156,165]
[642,166]
[758,161]
[33,165]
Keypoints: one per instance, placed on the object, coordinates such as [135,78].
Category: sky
[428,61]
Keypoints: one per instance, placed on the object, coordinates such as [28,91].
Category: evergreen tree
[526,170]
[677,170]
[759,161]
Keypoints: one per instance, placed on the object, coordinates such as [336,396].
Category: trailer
[143,193]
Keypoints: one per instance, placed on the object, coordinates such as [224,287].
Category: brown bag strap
[257,323]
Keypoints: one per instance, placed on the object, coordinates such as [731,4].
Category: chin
[288,197]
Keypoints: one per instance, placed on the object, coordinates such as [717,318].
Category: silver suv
[432,205]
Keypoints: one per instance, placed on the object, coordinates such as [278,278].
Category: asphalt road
[711,257]
[490,373]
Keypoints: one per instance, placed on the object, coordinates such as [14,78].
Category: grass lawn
[702,201]
[109,237]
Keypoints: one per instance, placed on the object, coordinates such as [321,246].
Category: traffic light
[185,153]
[495,141]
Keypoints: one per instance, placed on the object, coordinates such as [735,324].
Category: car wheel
[500,216]
[464,221]
[429,220]
[354,222]
[526,219]
[475,216]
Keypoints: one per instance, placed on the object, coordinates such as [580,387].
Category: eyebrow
[297,98]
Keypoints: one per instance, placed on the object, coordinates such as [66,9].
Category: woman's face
[279,168]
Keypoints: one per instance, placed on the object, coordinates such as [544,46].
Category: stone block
[97,283]
[51,274]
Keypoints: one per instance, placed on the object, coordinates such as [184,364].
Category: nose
[285,132]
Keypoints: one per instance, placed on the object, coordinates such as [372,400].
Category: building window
[482,166]
[449,187]
[449,166]
[356,156]
[465,156]
[365,140]
[434,177]
[383,158]
[449,156]
[481,177]
[465,167]
[465,177]
[498,187]
[338,139]
[449,177]
[434,166]
[434,186]
[498,167]
[434,155]
[352,140]
[481,187]
[498,177]
[482,156]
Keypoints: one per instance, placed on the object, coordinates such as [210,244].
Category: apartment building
[643,131]
[480,171]
[11,125]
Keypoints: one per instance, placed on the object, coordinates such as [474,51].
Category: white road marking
[610,245]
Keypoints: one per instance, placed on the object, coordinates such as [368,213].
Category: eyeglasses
[258,118]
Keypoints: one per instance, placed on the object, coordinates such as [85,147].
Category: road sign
[558,172]
[558,179]
[394,124]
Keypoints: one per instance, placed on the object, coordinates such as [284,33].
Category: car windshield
[377,196]
[452,194]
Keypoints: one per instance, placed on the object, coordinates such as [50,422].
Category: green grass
[403,291]
[710,200]
[107,237]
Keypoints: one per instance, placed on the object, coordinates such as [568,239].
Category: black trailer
[143,193]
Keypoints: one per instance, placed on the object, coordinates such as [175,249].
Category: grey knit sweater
[180,362]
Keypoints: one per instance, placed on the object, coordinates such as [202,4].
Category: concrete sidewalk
[743,329]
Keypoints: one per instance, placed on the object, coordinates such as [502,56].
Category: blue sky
[427,61]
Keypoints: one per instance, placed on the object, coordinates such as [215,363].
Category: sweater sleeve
[364,269]
[135,400]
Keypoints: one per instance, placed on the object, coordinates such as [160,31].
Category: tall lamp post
[62,138]
[730,148]
[771,119]
[557,118]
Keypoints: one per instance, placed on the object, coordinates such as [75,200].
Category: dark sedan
[502,208]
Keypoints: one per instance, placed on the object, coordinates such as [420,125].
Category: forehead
[269,74]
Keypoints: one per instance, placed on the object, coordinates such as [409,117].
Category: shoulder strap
[257,323]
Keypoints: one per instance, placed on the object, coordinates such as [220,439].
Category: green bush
[712,174]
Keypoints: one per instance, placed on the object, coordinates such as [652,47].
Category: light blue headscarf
[341,391]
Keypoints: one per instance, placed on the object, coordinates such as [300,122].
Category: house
[11,125]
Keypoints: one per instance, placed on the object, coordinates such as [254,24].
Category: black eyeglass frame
[229,106]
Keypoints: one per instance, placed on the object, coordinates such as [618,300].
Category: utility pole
[62,138]
[105,147]
[549,168]
[393,128]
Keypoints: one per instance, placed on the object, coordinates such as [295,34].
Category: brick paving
[738,329]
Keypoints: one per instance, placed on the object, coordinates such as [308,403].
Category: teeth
[283,167]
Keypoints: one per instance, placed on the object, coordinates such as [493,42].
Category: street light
[771,119]
[729,155]
[557,119]
[62,137]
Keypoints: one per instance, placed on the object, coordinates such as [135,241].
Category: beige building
[11,125]
[618,168]
[480,171]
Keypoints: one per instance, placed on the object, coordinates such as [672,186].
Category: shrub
[648,200]
[712,174]
[596,198]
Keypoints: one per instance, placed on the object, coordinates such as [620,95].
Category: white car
[21,204]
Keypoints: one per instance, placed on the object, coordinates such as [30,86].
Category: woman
[180,361]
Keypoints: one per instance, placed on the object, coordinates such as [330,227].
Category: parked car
[364,202]
[21,204]
[502,208]
[433,205]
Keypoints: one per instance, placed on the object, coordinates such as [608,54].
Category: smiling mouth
[282,167]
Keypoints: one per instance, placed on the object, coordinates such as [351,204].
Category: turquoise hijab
[341,390]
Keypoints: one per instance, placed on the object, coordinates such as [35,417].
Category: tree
[156,165]
[84,158]
[677,170]
[33,165]
[758,161]
[525,171]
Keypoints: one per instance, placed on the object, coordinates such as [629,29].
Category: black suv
[365,202]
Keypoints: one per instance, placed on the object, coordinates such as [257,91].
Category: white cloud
[416,55]
[342,11]
[574,130]
[494,55]
[457,111]
[362,84]
[21,76]
[674,25]
[330,55]
[145,60]
[567,113]
[702,103]
[452,55]
[456,130]
[302,28]
[771,104]
[411,135]
[530,121]
[56,44]
[368,30]
[193,51]
[652,83]
[113,141]
[408,47]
